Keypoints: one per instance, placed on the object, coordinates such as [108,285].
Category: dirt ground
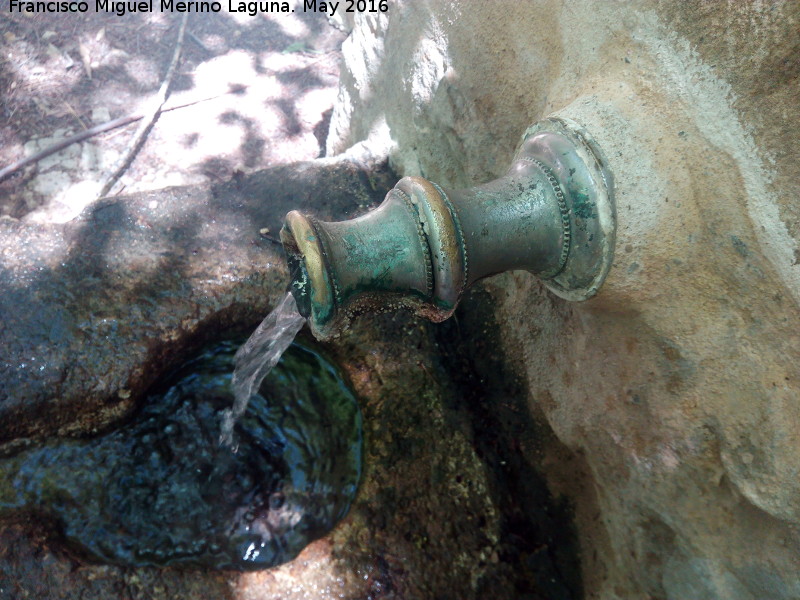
[263,89]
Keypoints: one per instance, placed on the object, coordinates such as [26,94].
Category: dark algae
[161,490]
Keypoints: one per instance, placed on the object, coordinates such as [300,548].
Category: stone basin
[100,309]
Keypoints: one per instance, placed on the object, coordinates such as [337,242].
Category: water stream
[257,357]
[161,490]
[167,488]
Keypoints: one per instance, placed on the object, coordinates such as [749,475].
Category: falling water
[257,356]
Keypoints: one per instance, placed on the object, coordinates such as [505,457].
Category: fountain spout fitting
[552,214]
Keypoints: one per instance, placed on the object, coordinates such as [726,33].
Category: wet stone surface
[96,310]
[162,490]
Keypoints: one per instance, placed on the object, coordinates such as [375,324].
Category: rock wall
[674,391]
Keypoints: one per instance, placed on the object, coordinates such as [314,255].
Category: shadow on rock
[95,310]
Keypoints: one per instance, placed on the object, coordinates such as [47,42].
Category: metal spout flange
[552,214]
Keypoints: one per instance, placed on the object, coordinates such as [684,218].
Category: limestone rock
[676,387]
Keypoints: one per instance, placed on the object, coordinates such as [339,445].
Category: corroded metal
[552,214]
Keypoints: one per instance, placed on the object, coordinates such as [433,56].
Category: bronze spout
[552,214]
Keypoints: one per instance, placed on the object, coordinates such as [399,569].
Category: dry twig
[150,118]
[88,133]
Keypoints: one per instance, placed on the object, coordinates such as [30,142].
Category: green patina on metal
[582,206]
[552,214]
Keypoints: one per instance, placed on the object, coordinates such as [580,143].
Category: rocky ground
[262,89]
